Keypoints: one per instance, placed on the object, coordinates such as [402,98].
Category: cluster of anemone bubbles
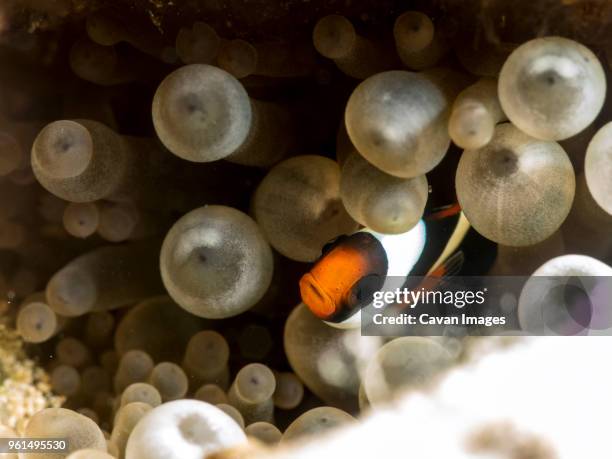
[157,262]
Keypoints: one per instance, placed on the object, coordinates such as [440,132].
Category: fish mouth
[315,297]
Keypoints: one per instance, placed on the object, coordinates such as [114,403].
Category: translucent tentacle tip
[334,36]
[552,87]
[63,149]
[183,429]
[71,292]
[413,31]
[215,262]
[201,113]
[255,383]
[598,167]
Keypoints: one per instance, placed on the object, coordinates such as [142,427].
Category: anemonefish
[353,267]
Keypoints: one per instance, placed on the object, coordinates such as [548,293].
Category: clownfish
[353,267]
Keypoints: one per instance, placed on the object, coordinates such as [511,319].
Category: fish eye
[362,292]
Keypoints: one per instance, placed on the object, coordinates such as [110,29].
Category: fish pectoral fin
[363,291]
[439,277]
[449,267]
[459,233]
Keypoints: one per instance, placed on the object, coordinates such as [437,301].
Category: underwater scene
[237,229]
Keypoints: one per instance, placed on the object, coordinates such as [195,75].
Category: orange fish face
[346,276]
